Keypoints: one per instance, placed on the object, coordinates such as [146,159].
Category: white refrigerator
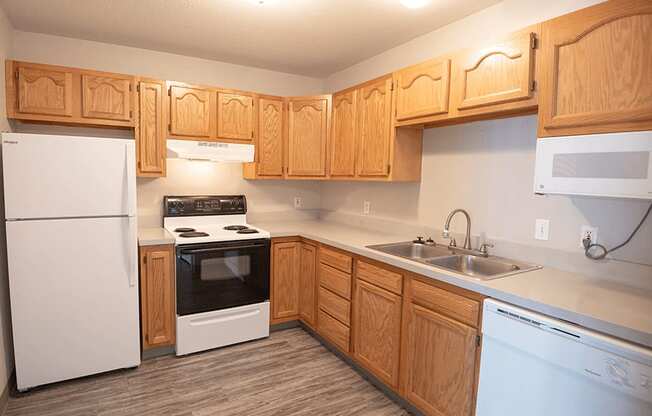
[70,206]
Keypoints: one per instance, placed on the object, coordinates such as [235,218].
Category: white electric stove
[222,272]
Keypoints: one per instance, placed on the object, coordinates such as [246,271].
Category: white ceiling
[307,37]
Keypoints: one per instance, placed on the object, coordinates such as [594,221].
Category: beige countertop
[605,306]
[154,236]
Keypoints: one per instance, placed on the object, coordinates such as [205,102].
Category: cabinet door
[106,97]
[596,70]
[285,280]
[270,137]
[44,91]
[374,128]
[342,145]
[422,90]
[308,283]
[439,364]
[377,331]
[190,111]
[497,74]
[235,116]
[157,296]
[150,138]
[307,137]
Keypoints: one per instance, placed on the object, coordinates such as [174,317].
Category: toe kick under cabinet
[418,336]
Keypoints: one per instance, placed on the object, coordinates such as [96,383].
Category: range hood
[210,151]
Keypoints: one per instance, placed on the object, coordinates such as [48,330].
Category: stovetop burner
[247,231]
[191,234]
[184,230]
[235,227]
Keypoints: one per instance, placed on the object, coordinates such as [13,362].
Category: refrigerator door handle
[130,160]
[132,249]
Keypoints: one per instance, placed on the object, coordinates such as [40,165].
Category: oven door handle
[217,249]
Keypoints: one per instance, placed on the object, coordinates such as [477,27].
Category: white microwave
[611,165]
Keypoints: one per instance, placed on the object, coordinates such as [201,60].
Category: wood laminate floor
[289,373]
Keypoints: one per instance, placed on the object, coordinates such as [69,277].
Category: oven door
[222,275]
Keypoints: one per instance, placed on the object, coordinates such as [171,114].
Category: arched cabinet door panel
[308,136]
[235,116]
[44,91]
[422,90]
[597,70]
[497,74]
[107,97]
[342,155]
[374,128]
[190,111]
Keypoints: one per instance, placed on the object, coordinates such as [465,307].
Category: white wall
[183,177]
[485,167]
[6,344]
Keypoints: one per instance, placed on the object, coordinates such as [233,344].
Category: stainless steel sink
[412,251]
[475,266]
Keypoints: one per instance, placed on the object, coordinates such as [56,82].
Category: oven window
[222,275]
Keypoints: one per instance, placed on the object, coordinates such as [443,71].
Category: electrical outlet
[366,207]
[298,202]
[586,231]
[542,229]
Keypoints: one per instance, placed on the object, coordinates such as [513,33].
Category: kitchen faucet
[446,233]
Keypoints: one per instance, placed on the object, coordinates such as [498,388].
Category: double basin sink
[475,266]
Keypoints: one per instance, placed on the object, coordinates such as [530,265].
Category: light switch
[542,229]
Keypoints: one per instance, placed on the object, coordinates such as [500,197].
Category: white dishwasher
[533,365]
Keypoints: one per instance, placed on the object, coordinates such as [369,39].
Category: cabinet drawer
[386,279]
[338,307]
[335,259]
[335,280]
[450,304]
[334,331]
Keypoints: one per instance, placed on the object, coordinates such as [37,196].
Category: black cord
[604,251]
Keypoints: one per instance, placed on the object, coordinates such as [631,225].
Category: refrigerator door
[74,297]
[65,176]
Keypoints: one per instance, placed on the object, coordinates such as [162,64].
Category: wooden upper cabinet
[498,74]
[377,331]
[343,134]
[107,97]
[308,136]
[157,295]
[374,128]
[439,363]
[190,111]
[285,280]
[596,72]
[271,116]
[308,284]
[150,133]
[422,90]
[235,116]
[42,90]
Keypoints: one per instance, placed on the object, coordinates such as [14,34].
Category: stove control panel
[185,206]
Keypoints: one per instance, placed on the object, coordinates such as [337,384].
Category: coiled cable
[603,250]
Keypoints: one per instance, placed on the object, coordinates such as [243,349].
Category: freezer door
[74,297]
[64,176]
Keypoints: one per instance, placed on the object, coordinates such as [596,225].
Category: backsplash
[487,168]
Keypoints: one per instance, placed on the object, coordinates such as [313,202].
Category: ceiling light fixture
[414,4]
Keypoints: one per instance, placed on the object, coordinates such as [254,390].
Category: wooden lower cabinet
[440,362]
[285,280]
[294,281]
[377,331]
[308,284]
[157,296]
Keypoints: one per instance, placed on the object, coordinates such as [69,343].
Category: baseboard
[364,373]
[157,352]
[284,325]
